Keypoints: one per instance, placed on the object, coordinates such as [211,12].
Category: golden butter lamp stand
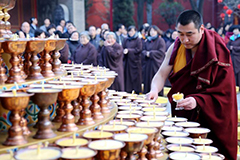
[56,63]
[85,115]
[107,153]
[32,141]
[103,101]
[3,5]
[43,98]
[147,142]
[33,48]
[10,6]
[46,67]
[21,66]
[59,112]
[27,63]
[14,48]
[151,146]
[23,123]
[95,107]
[15,103]
[3,76]
[68,94]
[76,107]
[131,146]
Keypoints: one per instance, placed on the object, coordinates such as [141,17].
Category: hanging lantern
[225,7]
[238,6]
[229,12]
[220,1]
[222,15]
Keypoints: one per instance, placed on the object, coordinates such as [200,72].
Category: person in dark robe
[25,28]
[167,36]
[132,61]
[111,56]
[119,33]
[153,53]
[85,53]
[234,47]
[228,32]
[143,35]
[39,34]
[101,44]
[95,39]
[64,52]
[201,69]
[73,43]
[173,38]
[33,26]
[50,30]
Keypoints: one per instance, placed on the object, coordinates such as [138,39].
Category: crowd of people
[231,36]
[134,54]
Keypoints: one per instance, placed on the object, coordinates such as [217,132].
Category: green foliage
[169,10]
[123,11]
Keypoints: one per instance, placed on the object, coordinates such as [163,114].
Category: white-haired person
[85,53]
[111,56]
[104,26]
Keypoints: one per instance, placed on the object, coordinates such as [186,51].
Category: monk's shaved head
[188,16]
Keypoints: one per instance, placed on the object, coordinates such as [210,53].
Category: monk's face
[84,40]
[110,39]
[25,27]
[105,34]
[189,35]
[153,32]
[131,32]
[75,36]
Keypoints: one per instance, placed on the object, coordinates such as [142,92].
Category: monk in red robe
[200,67]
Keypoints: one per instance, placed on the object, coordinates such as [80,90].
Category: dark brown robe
[209,78]
[85,54]
[112,57]
[153,62]
[99,59]
[132,65]
[235,54]
[143,56]
[72,47]
[64,53]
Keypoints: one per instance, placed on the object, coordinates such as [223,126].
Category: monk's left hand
[188,103]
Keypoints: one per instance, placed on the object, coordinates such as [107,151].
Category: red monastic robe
[209,78]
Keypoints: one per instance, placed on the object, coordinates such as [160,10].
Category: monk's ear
[201,29]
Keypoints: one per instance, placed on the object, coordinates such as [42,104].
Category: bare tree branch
[197,5]
[233,5]
[193,4]
[200,6]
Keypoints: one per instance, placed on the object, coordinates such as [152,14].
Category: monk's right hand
[152,95]
[106,43]
[125,51]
